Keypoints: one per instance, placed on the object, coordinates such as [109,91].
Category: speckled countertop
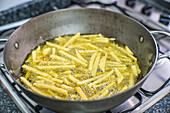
[8,106]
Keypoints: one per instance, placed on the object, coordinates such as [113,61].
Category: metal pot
[63,22]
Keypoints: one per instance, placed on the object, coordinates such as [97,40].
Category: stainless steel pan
[85,21]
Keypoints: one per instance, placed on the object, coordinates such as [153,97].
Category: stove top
[155,87]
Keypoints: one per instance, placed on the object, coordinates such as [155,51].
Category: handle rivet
[141,39]
[16,45]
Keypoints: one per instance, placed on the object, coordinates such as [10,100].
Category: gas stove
[150,13]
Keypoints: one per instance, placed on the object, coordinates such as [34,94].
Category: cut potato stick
[53,88]
[27,75]
[29,59]
[45,79]
[87,51]
[104,94]
[134,70]
[102,63]
[81,93]
[75,80]
[34,55]
[72,58]
[119,75]
[96,63]
[131,80]
[128,50]
[88,80]
[102,91]
[67,87]
[99,85]
[53,51]
[39,81]
[55,75]
[57,80]
[58,58]
[124,88]
[57,46]
[80,57]
[56,67]
[35,71]
[126,60]
[115,57]
[53,62]
[100,40]
[95,47]
[92,61]
[124,51]
[72,40]
[119,68]
[113,63]
[92,36]
[83,40]
[26,82]
[104,77]
[46,51]
[67,82]
[54,94]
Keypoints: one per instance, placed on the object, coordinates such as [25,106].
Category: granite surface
[8,106]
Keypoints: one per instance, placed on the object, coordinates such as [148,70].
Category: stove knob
[147,9]
[164,19]
[130,3]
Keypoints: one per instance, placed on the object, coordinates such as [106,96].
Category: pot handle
[165,33]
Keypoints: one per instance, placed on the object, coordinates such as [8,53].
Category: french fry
[53,51]
[53,62]
[72,58]
[92,61]
[75,80]
[81,93]
[34,55]
[115,57]
[87,51]
[102,78]
[24,80]
[57,80]
[119,75]
[35,71]
[134,70]
[96,63]
[57,46]
[104,94]
[131,80]
[102,63]
[27,75]
[46,51]
[102,91]
[54,94]
[95,47]
[67,87]
[125,52]
[80,57]
[124,88]
[53,88]
[72,39]
[45,79]
[58,58]
[128,50]
[56,67]
[88,80]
